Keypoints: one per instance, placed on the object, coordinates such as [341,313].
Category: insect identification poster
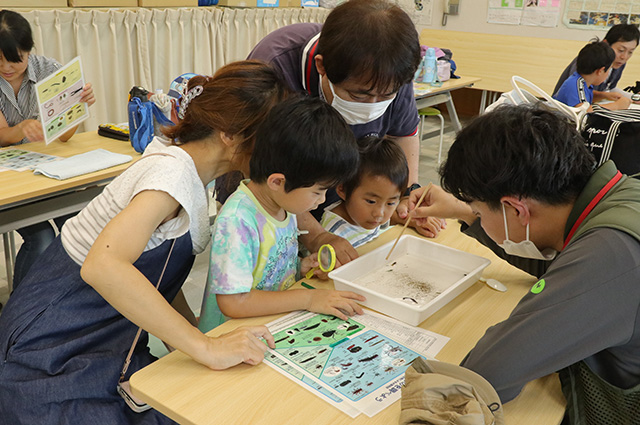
[59,100]
[356,365]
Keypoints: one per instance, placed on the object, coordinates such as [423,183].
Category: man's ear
[276,182]
[341,192]
[520,206]
[319,60]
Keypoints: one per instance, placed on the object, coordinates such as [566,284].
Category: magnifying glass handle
[309,274]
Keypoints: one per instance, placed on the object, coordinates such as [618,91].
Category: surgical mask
[358,112]
[526,248]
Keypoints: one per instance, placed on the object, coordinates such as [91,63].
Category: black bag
[614,135]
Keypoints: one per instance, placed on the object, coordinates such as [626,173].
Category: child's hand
[621,103]
[307,263]
[32,130]
[242,345]
[87,95]
[428,226]
[611,95]
[336,303]
[345,252]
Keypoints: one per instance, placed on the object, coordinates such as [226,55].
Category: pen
[306,285]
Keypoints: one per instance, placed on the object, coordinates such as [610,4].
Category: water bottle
[431,66]
[420,71]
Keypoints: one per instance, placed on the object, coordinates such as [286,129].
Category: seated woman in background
[20,70]
[66,331]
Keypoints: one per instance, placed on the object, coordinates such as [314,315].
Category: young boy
[593,66]
[302,148]
[369,198]
[623,39]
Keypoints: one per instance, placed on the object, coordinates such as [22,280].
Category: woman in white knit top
[66,330]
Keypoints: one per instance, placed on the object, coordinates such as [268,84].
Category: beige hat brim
[481,385]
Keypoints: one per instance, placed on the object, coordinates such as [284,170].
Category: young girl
[20,71]
[369,199]
[66,331]
[302,148]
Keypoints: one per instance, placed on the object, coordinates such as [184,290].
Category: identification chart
[356,365]
[59,100]
[21,160]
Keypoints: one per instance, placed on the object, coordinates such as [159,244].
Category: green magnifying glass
[326,260]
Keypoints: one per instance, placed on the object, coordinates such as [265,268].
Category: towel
[83,163]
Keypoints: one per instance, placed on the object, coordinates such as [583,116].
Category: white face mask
[358,112]
[526,248]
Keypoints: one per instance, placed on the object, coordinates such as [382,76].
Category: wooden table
[193,394]
[442,94]
[26,198]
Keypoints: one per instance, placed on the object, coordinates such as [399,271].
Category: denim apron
[62,346]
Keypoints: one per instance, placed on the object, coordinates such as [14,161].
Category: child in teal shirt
[302,148]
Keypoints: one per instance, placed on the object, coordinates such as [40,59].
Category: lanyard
[607,187]
[307,61]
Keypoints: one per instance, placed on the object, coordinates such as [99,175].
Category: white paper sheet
[356,366]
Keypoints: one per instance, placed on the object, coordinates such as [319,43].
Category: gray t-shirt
[588,310]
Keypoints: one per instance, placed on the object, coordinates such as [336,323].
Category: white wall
[473,18]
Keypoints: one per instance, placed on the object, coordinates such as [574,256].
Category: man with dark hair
[361,61]
[522,182]
[623,39]
[593,66]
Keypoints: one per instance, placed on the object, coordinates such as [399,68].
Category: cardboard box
[290,3]
[167,3]
[103,3]
[420,277]
[33,3]
[249,3]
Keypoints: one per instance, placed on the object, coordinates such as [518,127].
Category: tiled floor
[194,286]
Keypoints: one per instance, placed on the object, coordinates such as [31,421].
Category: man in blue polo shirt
[361,61]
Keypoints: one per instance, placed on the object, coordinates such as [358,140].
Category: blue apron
[62,345]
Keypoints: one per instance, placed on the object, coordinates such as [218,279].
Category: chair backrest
[535,95]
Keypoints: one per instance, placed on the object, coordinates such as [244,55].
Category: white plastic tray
[418,279]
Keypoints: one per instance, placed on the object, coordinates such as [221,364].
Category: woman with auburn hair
[68,328]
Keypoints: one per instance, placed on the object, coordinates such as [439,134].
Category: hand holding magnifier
[326,260]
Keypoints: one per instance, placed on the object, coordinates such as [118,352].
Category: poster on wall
[419,11]
[544,13]
[594,14]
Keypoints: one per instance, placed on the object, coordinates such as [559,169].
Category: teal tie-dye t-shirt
[250,250]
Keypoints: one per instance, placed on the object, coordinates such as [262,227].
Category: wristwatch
[411,189]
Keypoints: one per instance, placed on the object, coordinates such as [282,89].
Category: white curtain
[150,47]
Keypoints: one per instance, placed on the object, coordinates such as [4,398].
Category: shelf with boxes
[55,4]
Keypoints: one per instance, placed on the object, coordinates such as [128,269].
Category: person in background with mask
[522,182]
[361,61]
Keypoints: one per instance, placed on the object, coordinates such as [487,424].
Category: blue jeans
[36,238]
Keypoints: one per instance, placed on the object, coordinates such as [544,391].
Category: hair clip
[187,98]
